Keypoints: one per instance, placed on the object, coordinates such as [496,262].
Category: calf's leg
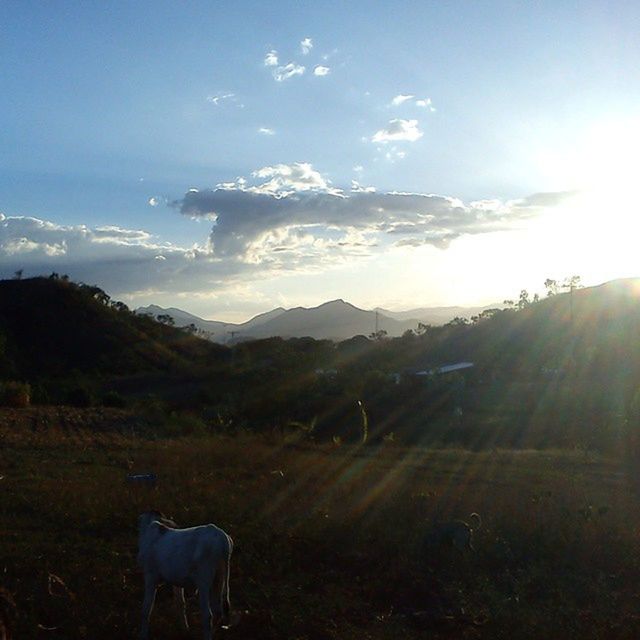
[220,594]
[181,606]
[150,586]
[205,612]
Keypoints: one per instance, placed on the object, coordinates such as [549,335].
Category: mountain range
[334,320]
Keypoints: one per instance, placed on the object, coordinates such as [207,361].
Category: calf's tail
[475,521]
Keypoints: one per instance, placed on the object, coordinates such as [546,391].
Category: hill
[215,330]
[595,330]
[50,327]
[563,371]
[334,320]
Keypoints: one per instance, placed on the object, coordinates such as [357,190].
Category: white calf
[196,557]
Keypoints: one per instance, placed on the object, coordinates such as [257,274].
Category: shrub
[40,394]
[15,394]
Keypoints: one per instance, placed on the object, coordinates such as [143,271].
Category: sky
[229,158]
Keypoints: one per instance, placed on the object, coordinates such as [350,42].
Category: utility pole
[572,284]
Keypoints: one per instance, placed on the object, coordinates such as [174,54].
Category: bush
[40,394]
[15,394]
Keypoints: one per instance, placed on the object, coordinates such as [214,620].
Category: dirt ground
[328,538]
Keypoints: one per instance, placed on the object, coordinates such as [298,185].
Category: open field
[328,538]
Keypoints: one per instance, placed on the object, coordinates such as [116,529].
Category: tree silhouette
[551,286]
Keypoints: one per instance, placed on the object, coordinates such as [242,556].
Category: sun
[610,158]
[603,157]
[595,231]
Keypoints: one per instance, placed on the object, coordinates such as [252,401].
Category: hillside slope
[215,330]
[51,327]
[593,331]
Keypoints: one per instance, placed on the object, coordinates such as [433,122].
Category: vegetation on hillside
[69,340]
[329,529]
[51,327]
[562,371]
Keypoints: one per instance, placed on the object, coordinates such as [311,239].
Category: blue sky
[227,159]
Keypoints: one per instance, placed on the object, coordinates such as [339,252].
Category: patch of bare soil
[68,420]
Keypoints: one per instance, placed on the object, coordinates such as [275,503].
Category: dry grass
[328,538]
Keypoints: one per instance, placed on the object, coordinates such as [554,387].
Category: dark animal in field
[453,534]
[194,557]
[7,614]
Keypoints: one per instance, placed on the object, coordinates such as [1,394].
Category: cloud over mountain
[123,260]
[282,218]
[295,207]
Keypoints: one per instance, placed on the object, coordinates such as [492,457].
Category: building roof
[445,369]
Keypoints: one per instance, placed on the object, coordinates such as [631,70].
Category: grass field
[327,538]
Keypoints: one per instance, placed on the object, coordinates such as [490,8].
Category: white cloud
[266,131]
[394,154]
[425,103]
[398,130]
[271,59]
[358,168]
[279,180]
[297,202]
[306,45]
[218,99]
[287,71]
[123,261]
[320,70]
[400,99]
[296,248]
[282,72]
[286,179]
[22,245]
[283,218]
[154,201]
[356,187]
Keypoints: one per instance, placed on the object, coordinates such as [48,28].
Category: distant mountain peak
[338,302]
[335,319]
